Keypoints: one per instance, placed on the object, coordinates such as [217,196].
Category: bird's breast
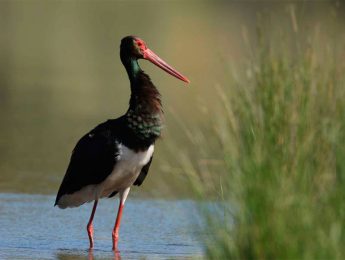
[131,158]
[144,125]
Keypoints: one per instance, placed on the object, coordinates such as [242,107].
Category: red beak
[151,56]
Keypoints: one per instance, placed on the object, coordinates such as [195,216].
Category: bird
[117,153]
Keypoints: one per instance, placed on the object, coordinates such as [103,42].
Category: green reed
[273,155]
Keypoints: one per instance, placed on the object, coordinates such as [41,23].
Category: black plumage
[94,156]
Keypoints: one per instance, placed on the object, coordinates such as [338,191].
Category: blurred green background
[260,130]
[60,74]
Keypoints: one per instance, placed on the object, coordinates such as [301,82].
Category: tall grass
[278,149]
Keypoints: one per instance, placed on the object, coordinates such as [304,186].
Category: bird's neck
[132,68]
[145,113]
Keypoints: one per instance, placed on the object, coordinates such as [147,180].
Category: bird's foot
[115,236]
[117,255]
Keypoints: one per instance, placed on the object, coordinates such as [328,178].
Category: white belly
[126,170]
[124,174]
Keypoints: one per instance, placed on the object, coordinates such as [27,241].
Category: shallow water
[31,228]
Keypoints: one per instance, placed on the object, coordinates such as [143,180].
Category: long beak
[151,56]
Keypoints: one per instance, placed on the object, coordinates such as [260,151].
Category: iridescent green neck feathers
[144,125]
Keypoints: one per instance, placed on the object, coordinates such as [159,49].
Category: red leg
[117,227]
[89,227]
[123,197]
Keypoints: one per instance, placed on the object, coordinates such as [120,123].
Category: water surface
[31,228]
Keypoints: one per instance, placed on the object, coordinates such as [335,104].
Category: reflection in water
[89,254]
[70,256]
[117,255]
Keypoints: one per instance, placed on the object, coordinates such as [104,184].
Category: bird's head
[133,47]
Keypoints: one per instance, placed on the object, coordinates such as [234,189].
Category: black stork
[117,153]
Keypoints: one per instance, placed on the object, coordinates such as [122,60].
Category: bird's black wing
[92,160]
[143,173]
